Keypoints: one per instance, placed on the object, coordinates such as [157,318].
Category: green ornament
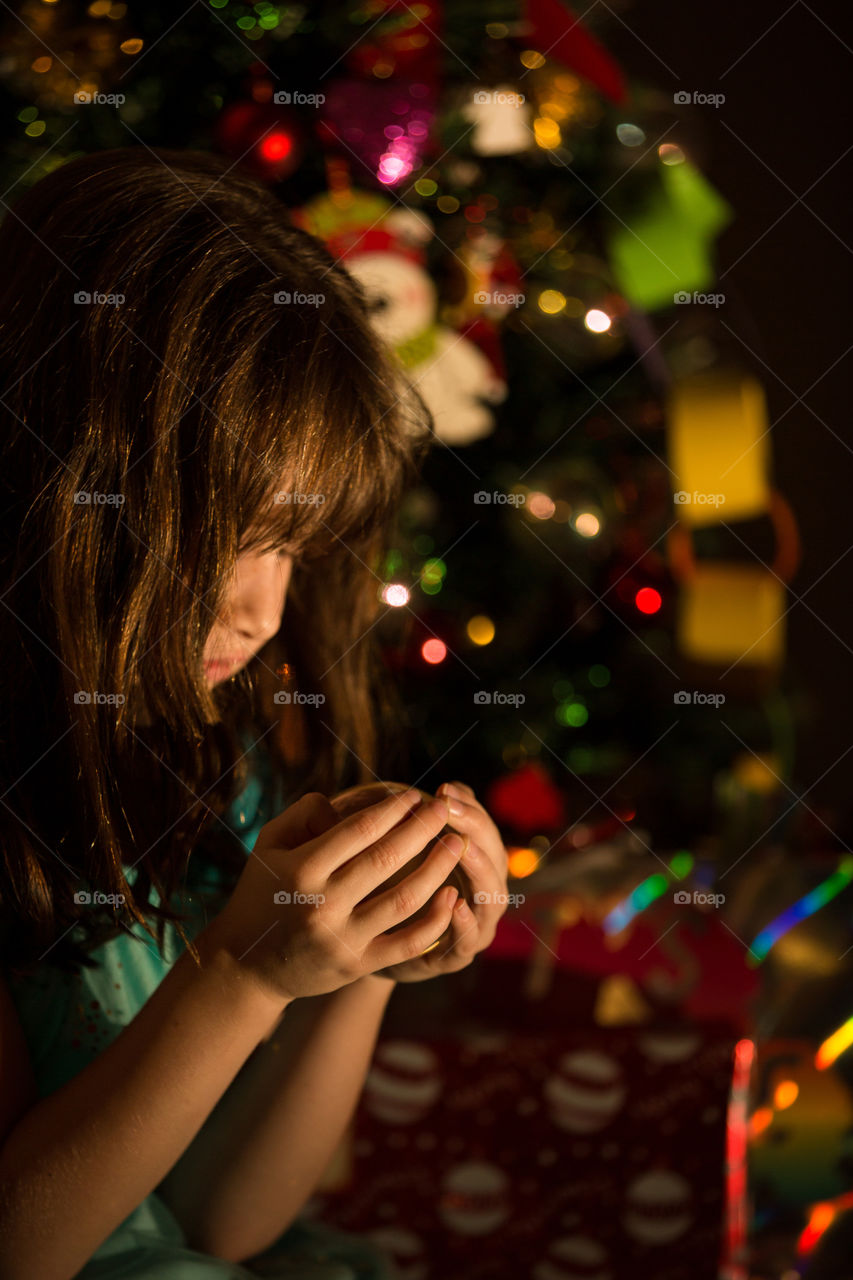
[667,249]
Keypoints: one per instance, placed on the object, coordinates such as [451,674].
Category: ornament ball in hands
[479,879]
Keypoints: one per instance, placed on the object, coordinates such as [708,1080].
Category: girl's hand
[485,863]
[296,920]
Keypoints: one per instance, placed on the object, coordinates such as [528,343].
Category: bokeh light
[597,321]
[540,506]
[480,629]
[433,651]
[551,301]
[648,600]
[396,594]
[587,524]
[521,862]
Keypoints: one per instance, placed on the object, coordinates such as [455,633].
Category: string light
[395,594]
[522,862]
[597,321]
[671,154]
[587,524]
[573,714]
[551,301]
[480,629]
[630,135]
[547,133]
[276,146]
[801,910]
[432,576]
[648,600]
[540,506]
[737,1128]
[647,892]
[785,1094]
[822,1216]
[433,651]
[643,896]
[833,1047]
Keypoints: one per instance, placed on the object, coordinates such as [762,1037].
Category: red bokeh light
[648,600]
[433,651]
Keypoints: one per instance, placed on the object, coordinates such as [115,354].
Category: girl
[188,443]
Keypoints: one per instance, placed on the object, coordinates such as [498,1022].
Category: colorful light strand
[737,1125]
[834,1045]
[807,906]
[647,892]
[821,1217]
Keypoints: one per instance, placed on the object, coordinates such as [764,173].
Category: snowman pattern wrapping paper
[580,1156]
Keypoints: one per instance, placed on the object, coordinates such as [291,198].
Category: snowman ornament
[387,256]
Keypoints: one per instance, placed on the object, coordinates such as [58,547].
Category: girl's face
[252,614]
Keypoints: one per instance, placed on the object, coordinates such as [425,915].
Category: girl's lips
[223,664]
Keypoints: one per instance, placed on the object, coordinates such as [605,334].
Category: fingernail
[442,806]
[448,789]
[412,798]
[469,853]
[454,844]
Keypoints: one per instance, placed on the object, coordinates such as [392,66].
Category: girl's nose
[259,600]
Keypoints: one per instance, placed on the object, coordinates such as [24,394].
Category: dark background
[777,150]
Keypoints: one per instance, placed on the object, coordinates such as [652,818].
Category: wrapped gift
[496,1154]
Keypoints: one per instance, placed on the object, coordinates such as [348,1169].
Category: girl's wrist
[373,985]
[219,957]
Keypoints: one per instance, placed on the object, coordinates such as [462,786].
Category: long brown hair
[163,351]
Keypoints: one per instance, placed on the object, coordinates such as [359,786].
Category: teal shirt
[68,1019]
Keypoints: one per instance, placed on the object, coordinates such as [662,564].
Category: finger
[472,819]
[306,819]
[413,940]
[389,854]
[460,789]
[410,894]
[361,830]
[483,877]
[465,934]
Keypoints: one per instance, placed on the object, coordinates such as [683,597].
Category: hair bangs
[324,458]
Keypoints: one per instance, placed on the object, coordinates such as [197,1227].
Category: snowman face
[401,296]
